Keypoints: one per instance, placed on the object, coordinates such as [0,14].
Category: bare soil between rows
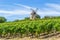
[52,36]
[27,38]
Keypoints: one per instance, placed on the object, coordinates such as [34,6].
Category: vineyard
[29,28]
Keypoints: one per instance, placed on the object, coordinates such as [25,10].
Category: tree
[26,18]
[38,16]
[2,19]
[17,20]
[51,17]
[47,17]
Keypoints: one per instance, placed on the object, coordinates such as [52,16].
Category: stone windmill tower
[33,14]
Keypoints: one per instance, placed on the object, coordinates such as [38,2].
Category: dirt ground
[53,37]
[26,38]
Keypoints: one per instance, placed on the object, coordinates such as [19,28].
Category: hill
[30,28]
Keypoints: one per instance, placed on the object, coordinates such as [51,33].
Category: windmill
[33,14]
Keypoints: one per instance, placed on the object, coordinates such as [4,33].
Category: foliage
[17,20]
[34,27]
[51,17]
[38,16]
[26,18]
[2,19]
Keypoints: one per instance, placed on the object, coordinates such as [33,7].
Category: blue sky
[19,9]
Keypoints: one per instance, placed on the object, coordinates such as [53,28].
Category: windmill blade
[32,9]
[36,9]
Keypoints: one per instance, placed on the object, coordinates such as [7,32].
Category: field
[30,28]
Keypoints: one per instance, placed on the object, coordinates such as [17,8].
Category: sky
[19,9]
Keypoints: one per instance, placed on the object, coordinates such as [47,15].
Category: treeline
[3,19]
[51,17]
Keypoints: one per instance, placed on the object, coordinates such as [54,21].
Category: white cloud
[43,12]
[4,11]
[46,11]
[49,13]
[19,11]
[55,6]
[14,12]
[25,6]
